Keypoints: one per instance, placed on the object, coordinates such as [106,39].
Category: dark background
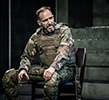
[80,13]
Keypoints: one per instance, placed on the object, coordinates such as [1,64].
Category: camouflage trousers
[10,80]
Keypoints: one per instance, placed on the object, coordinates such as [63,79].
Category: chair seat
[68,87]
[43,83]
[38,85]
[69,83]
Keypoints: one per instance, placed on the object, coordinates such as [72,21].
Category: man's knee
[51,87]
[10,75]
[10,80]
[54,81]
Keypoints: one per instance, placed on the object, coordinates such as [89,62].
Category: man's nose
[49,21]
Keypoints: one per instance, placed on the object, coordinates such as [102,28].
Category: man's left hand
[48,73]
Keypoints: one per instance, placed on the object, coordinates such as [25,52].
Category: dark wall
[3,38]
[96,75]
[80,13]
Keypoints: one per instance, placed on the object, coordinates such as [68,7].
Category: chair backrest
[80,62]
[80,57]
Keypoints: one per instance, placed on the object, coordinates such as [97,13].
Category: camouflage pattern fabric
[64,50]
[60,77]
[35,75]
[10,80]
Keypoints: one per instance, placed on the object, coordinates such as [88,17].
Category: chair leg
[78,90]
[33,92]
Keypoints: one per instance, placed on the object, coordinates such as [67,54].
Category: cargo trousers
[10,81]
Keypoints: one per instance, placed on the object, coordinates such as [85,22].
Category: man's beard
[51,29]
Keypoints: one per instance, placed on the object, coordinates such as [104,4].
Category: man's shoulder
[38,30]
[62,26]
[35,34]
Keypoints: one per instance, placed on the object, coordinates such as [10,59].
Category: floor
[25,94]
[25,97]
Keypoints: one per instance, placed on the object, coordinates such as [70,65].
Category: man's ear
[38,22]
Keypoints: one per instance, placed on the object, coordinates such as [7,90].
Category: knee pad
[8,74]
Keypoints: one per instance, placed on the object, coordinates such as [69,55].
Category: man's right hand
[20,75]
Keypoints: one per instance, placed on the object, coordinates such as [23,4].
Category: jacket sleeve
[29,52]
[64,49]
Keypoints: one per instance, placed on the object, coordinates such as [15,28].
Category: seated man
[55,46]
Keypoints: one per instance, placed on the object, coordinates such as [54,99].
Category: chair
[74,87]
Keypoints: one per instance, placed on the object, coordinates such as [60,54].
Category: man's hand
[20,75]
[48,73]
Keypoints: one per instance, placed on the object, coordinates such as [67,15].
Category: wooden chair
[74,87]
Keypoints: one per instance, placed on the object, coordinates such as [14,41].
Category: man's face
[46,21]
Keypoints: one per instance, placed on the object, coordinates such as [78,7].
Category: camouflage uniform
[55,49]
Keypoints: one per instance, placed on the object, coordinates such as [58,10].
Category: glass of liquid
[24,81]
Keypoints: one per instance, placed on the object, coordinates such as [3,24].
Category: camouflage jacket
[66,50]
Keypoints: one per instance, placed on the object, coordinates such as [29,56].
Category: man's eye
[50,17]
[45,20]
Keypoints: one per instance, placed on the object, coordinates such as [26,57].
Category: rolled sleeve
[66,44]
